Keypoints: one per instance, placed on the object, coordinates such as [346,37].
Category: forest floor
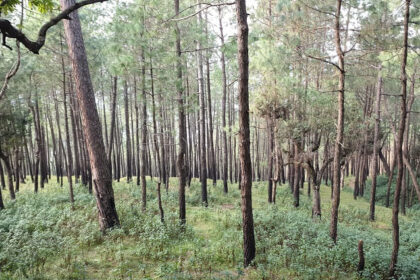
[42,237]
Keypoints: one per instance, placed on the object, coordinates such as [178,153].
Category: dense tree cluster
[305,93]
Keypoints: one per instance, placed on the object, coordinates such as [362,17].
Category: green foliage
[41,237]
[13,124]
[382,188]
[43,6]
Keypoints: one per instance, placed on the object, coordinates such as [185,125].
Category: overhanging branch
[9,31]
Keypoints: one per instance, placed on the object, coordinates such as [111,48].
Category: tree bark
[224,89]
[244,135]
[375,146]
[203,152]
[399,154]
[2,181]
[127,132]
[181,161]
[92,129]
[270,133]
[9,172]
[340,127]
[144,133]
[113,116]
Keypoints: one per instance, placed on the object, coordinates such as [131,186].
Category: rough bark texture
[90,119]
[244,135]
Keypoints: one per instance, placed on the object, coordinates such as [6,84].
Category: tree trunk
[91,125]
[2,181]
[391,175]
[340,128]
[203,159]
[399,154]
[224,89]
[376,146]
[17,169]
[244,135]
[270,133]
[181,161]
[9,172]
[113,116]
[144,133]
[127,132]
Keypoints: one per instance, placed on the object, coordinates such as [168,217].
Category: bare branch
[317,10]
[207,5]
[323,60]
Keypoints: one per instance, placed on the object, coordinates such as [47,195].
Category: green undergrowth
[382,188]
[43,237]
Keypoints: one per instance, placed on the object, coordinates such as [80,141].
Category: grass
[41,237]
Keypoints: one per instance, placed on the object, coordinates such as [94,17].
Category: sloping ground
[42,238]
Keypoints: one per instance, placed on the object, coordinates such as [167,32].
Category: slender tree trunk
[224,89]
[69,166]
[91,125]
[340,128]
[399,154]
[113,117]
[2,181]
[376,146]
[296,193]
[60,139]
[162,214]
[155,127]
[73,115]
[1,196]
[136,106]
[270,133]
[212,157]
[203,152]
[144,133]
[17,169]
[244,135]
[181,161]
[9,172]
[127,132]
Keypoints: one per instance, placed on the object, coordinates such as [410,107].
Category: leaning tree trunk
[399,155]
[91,125]
[244,135]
